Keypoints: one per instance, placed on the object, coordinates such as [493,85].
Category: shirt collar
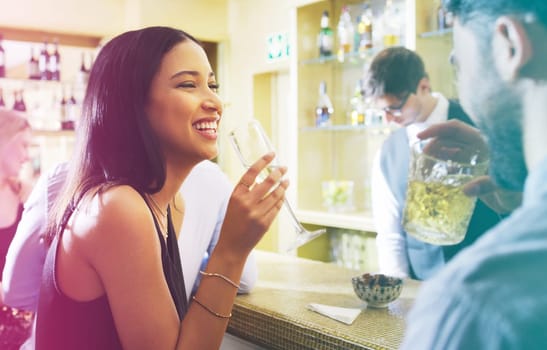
[439,114]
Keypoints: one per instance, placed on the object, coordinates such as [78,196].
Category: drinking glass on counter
[437,211]
[337,195]
[250,143]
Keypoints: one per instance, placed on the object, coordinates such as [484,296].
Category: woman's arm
[114,248]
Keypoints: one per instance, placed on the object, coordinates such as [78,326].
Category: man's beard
[507,165]
[499,116]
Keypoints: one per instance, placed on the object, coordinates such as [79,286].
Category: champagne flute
[250,143]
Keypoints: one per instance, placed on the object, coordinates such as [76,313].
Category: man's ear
[424,86]
[511,47]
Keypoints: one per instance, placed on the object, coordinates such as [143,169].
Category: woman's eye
[187,85]
[214,87]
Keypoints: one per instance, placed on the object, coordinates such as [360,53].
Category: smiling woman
[150,114]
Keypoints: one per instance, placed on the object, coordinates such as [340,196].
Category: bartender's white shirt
[387,210]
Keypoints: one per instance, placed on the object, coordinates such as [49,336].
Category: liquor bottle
[43,63]
[18,101]
[55,62]
[83,74]
[345,33]
[357,105]
[71,112]
[364,30]
[392,25]
[2,58]
[324,109]
[62,109]
[325,38]
[33,69]
[22,105]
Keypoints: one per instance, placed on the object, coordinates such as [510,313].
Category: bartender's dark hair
[394,71]
[115,143]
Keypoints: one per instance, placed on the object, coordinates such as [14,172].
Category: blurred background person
[15,140]
[398,83]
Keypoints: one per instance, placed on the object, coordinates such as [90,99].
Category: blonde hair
[11,123]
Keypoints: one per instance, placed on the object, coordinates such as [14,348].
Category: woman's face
[15,153]
[183,106]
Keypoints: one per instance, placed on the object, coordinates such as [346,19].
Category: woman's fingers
[248,179]
[259,195]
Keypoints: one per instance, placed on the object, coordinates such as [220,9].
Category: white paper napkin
[342,314]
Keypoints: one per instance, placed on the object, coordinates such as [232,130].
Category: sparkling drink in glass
[250,143]
[437,211]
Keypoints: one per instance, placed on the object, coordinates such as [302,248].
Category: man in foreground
[492,295]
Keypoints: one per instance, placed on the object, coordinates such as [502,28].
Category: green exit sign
[278,47]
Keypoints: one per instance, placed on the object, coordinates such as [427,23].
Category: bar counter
[274,314]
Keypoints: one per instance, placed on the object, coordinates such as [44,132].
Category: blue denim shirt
[493,295]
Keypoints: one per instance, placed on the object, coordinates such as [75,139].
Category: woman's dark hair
[115,144]
[394,71]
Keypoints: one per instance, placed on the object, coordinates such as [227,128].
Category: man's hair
[470,9]
[394,71]
[480,16]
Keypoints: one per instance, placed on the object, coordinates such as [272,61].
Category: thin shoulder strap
[156,223]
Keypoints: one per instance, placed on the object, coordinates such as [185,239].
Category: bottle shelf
[380,129]
[437,33]
[32,83]
[348,58]
[53,133]
[360,221]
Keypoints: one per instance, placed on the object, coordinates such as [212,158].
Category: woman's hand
[455,131]
[253,207]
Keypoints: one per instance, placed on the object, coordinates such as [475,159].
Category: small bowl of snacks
[377,290]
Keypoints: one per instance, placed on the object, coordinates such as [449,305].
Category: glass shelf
[383,129]
[53,133]
[437,33]
[348,58]
[32,83]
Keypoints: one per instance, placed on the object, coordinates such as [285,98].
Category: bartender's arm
[387,212]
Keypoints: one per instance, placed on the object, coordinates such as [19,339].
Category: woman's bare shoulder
[116,216]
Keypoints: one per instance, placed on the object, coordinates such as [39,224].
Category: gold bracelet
[214,274]
[209,310]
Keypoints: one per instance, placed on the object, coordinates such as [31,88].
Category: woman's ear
[511,47]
